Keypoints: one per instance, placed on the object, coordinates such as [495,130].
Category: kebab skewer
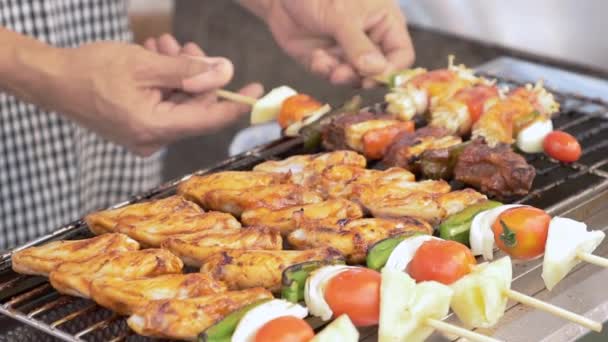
[428,258]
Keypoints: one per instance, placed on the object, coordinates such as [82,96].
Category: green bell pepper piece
[294,278]
[222,330]
[378,254]
[457,226]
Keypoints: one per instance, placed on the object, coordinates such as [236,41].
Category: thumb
[360,51]
[194,74]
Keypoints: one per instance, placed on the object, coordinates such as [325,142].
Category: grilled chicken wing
[193,249]
[152,222]
[305,168]
[347,181]
[74,278]
[44,259]
[184,319]
[272,197]
[243,269]
[354,239]
[329,213]
[124,296]
[428,205]
[197,187]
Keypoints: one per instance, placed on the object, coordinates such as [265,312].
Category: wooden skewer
[451,329]
[592,259]
[554,310]
[236,97]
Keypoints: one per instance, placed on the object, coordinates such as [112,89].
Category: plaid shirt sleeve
[51,170]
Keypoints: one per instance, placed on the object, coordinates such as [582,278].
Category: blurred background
[564,33]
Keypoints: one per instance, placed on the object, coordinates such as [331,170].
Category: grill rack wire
[51,316]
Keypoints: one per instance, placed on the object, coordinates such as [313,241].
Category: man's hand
[142,99]
[345,41]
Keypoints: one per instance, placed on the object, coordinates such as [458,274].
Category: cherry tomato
[521,232]
[295,108]
[562,146]
[376,141]
[355,292]
[475,99]
[443,261]
[285,329]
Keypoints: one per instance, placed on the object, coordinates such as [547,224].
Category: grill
[50,316]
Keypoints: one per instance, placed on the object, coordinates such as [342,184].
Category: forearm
[258,7]
[28,67]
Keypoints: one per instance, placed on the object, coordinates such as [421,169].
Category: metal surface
[577,190]
[564,30]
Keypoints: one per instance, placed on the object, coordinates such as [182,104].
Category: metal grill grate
[50,316]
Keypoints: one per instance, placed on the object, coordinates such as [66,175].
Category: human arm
[117,89]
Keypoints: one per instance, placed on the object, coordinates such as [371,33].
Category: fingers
[397,44]
[360,50]
[192,49]
[188,73]
[168,45]
[202,113]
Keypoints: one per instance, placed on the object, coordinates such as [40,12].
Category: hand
[344,41]
[144,99]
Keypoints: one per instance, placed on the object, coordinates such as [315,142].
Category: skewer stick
[554,310]
[236,97]
[592,259]
[458,331]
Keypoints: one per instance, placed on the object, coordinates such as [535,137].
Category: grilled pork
[496,171]
[44,259]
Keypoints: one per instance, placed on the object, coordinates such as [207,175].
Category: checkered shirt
[51,170]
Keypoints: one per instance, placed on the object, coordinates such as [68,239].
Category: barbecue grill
[577,190]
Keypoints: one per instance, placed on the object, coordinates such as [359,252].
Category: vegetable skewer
[592,259]
[236,97]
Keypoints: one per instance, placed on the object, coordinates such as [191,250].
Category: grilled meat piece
[334,134]
[46,258]
[124,296]
[74,278]
[439,163]
[496,171]
[243,269]
[194,249]
[348,181]
[428,200]
[327,213]
[184,319]
[354,239]
[407,147]
[197,188]
[305,168]
[152,222]
[273,197]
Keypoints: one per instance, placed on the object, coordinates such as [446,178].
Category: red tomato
[295,108]
[376,141]
[475,98]
[522,232]
[444,261]
[562,146]
[355,292]
[285,329]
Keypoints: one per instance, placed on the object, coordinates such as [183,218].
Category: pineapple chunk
[341,329]
[565,239]
[405,306]
[479,297]
[268,107]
